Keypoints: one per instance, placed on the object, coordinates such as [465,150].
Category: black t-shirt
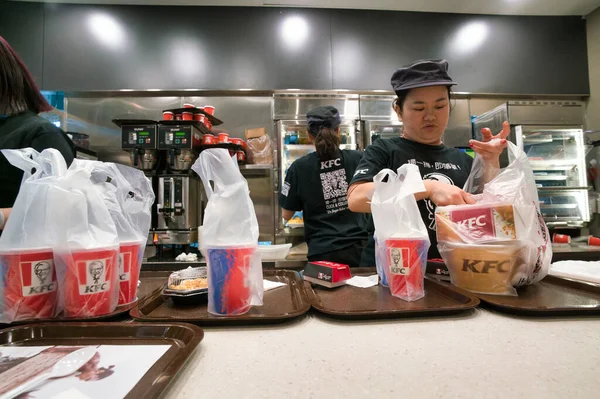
[22,131]
[435,162]
[320,190]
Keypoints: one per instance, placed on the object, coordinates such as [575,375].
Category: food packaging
[593,241]
[29,286]
[228,271]
[229,239]
[401,238]
[260,145]
[501,242]
[189,105]
[28,282]
[188,286]
[209,109]
[487,269]
[561,238]
[209,139]
[327,274]
[90,280]
[223,138]
[168,116]
[187,116]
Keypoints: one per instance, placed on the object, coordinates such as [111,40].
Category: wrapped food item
[128,196]
[28,283]
[501,242]
[87,250]
[401,239]
[229,239]
[260,146]
[188,286]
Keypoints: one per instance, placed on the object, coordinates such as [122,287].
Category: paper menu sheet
[112,373]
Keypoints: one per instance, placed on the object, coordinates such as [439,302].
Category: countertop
[482,354]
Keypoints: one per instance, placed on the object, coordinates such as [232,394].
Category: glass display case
[557,157]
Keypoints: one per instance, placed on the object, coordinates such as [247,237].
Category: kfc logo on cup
[397,257]
[124,266]
[95,276]
[38,277]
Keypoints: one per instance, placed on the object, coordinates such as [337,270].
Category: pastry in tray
[188,286]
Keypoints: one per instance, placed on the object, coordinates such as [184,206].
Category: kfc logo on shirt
[38,277]
[124,266]
[94,276]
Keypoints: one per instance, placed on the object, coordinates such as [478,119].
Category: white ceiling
[505,7]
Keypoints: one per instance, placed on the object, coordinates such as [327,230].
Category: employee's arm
[286,214]
[5,213]
[442,194]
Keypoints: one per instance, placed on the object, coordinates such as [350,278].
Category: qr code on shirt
[334,184]
[285,190]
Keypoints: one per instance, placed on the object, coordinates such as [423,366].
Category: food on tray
[191,284]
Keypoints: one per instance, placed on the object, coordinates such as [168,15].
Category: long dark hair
[327,142]
[18,90]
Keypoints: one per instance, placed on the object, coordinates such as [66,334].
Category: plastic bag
[501,242]
[229,236]
[28,281]
[262,150]
[128,195]
[401,239]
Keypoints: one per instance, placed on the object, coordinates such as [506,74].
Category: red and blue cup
[404,261]
[229,288]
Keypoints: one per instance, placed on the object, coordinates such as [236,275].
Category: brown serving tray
[119,311]
[280,304]
[183,338]
[377,302]
[553,296]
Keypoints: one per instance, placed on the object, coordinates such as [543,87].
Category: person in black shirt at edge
[20,126]
[423,92]
[317,184]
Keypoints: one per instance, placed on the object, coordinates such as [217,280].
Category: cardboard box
[327,274]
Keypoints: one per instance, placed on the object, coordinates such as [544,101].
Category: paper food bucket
[29,287]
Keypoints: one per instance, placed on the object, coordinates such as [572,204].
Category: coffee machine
[166,151]
[180,192]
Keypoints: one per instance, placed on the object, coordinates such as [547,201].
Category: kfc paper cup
[561,238]
[405,261]
[130,261]
[29,286]
[189,105]
[223,138]
[187,116]
[91,281]
[209,109]
[168,116]
[228,270]
[594,241]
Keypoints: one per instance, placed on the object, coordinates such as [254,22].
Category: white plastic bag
[127,193]
[401,239]
[28,281]
[86,254]
[229,236]
[501,242]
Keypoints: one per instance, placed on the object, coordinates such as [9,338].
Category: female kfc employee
[423,105]
[317,184]
[20,126]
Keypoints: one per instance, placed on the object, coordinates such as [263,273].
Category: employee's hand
[490,147]
[443,194]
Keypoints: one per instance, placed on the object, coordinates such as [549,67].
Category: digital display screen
[180,134]
[143,134]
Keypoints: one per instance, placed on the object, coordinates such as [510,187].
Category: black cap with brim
[319,117]
[422,73]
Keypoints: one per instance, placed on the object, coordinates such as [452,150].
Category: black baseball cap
[319,117]
[422,73]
